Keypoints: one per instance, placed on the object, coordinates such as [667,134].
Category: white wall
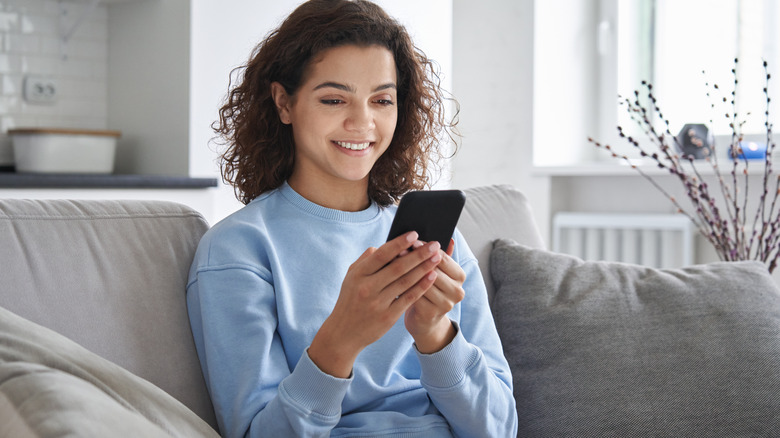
[148,71]
[493,79]
[567,85]
[30,44]
[222,35]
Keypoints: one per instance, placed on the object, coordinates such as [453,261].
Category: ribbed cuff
[313,390]
[447,367]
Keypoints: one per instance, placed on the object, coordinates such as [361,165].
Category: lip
[353,145]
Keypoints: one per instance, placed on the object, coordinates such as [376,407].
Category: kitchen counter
[12,180]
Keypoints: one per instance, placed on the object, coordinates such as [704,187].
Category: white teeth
[353,146]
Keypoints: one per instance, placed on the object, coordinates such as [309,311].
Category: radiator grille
[656,240]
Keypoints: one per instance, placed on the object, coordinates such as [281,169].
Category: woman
[306,322]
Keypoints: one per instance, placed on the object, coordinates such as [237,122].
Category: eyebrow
[351,89]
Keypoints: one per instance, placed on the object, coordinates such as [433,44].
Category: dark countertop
[12,180]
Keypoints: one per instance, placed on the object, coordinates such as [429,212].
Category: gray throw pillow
[602,349]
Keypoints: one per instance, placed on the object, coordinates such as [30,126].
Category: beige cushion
[494,212]
[111,276]
[52,387]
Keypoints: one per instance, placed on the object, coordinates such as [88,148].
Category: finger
[404,272]
[425,307]
[387,252]
[451,247]
[410,296]
[451,268]
[367,253]
[446,289]
[442,287]
[434,296]
[415,245]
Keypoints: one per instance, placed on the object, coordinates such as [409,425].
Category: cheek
[312,123]
[389,124]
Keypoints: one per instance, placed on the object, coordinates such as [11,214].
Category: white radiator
[656,240]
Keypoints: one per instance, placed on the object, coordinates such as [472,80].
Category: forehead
[352,65]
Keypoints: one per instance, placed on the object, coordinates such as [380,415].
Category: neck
[343,195]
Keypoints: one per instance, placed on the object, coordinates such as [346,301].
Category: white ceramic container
[43,150]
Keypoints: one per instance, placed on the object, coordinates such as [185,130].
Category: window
[685,47]
[589,52]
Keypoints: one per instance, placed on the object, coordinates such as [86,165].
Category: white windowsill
[620,169]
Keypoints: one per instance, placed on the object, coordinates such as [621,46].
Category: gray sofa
[95,341]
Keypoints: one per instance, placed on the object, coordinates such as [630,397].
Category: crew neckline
[295,198]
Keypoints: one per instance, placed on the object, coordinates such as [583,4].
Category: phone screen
[433,214]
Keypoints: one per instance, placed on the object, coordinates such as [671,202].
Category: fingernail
[417,244]
[432,276]
[411,237]
[434,247]
[436,258]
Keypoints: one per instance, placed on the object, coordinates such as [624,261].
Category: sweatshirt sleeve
[255,391]
[469,380]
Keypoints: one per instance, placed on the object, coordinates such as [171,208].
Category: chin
[355,178]
[355,175]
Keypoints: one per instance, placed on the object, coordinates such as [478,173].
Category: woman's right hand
[377,290]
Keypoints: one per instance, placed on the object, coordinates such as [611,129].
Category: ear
[282,101]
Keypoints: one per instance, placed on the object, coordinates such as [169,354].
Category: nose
[359,119]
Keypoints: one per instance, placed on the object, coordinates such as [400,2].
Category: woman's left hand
[426,320]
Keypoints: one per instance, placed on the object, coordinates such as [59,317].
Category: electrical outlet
[40,89]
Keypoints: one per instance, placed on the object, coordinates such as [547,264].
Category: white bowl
[42,150]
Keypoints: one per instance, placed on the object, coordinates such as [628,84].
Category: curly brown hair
[260,151]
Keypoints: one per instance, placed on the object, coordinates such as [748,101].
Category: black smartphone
[433,214]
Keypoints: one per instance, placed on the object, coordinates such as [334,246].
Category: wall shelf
[68,181]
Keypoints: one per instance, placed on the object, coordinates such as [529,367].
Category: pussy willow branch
[696,186]
[739,251]
[761,213]
[640,115]
[728,234]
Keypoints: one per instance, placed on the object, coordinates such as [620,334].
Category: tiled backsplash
[31,44]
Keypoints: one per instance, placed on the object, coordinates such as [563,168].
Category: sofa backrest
[494,212]
[111,276]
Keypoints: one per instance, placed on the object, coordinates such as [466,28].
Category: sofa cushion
[111,276]
[52,387]
[611,349]
[493,212]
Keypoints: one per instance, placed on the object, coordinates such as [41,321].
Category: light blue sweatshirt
[261,285]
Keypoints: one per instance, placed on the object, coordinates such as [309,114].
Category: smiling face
[343,117]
